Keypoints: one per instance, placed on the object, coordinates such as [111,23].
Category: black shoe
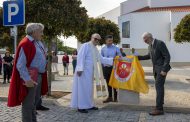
[4,82]
[93,108]
[82,111]
[115,100]
[42,108]
[109,99]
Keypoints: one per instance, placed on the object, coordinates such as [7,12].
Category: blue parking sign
[13,13]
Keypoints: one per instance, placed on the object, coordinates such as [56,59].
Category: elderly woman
[28,71]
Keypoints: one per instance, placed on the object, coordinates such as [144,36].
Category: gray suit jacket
[159,55]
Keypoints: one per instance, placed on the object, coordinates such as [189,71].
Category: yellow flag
[128,74]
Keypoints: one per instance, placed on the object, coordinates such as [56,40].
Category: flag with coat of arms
[128,74]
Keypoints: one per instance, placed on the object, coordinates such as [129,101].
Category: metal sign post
[14,33]
[15,38]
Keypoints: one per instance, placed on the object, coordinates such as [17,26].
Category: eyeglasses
[96,39]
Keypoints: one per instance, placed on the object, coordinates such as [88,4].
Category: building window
[125,45]
[126,29]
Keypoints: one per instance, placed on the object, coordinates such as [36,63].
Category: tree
[63,17]
[5,39]
[182,31]
[60,17]
[66,49]
[103,27]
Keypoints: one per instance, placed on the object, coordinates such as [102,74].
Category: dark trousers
[28,106]
[38,97]
[0,69]
[74,62]
[159,85]
[107,74]
[7,73]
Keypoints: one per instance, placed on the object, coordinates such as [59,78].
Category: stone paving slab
[66,114]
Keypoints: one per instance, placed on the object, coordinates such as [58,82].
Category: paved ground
[177,94]
[177,88]
[65,114]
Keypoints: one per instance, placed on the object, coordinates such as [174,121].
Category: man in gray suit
[160,57]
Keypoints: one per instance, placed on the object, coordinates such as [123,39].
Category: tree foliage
[65,17]
[103,27]
[182,31]
[59,17]
[63,48]
[5,39]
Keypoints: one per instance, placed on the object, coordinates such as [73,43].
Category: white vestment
[82,92]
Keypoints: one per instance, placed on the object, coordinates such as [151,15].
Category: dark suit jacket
[159,55]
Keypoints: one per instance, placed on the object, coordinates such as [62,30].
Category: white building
[159,17]
[112,15]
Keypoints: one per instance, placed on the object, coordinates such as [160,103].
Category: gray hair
[147,34]
[32,27]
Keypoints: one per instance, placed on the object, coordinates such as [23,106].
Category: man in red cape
[20,89]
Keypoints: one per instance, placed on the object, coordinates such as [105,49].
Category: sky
[94,8]
[98,7]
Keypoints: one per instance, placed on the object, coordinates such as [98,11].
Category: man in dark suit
[160,57]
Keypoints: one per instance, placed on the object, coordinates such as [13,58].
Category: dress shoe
[156,112]
[93,108]
[4,82]
[42,108]
[115,100]
[108,100]
[82,111]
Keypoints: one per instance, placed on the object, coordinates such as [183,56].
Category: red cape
[18,91]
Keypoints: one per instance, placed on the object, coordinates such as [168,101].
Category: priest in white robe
[82,92]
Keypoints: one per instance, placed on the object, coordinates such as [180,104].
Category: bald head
[147,37]
[147,34]
[96,35]
[95,38]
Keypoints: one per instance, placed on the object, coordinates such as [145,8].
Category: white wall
[179,52]
[132,5]
[157,23]
[167,3]
[112,15]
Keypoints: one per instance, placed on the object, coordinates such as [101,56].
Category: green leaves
[182,31]
[65,17]
[103,27]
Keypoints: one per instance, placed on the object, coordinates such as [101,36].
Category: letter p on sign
[13,13]
[13,10]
